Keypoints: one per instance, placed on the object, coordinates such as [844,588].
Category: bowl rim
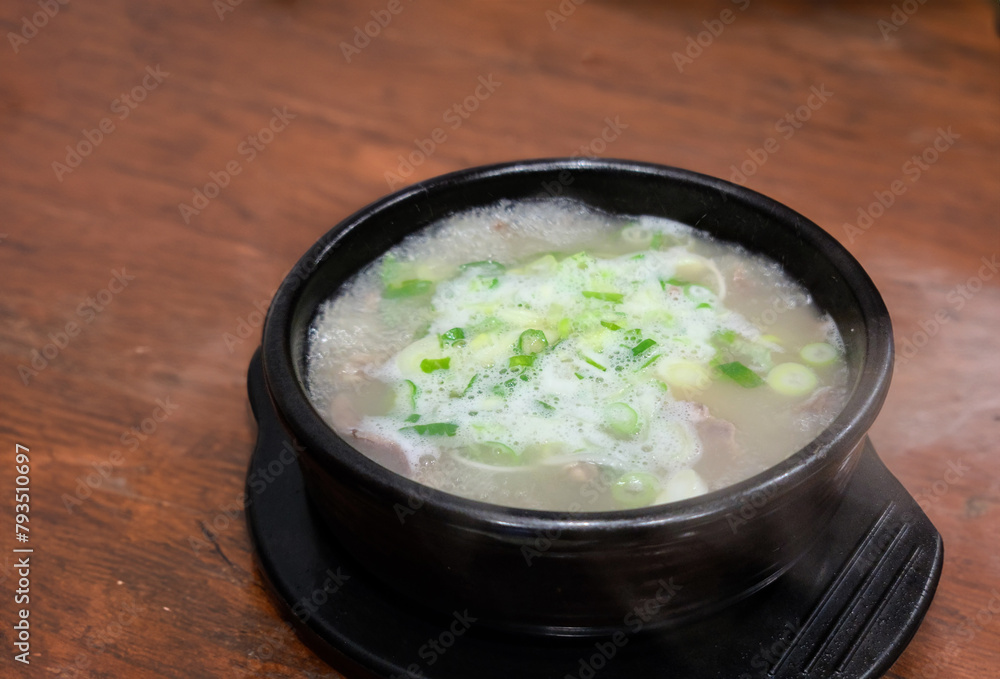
[320,441]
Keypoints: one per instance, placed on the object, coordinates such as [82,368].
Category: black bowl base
[846,610]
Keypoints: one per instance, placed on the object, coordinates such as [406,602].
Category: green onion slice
[698,293]
[521,361]
[642,346]
[740,374]
[434,429]
[676,282]
[407,394]
[818,353]
[469,385]
[622,420]
[792,379]
[613,297]
[452,337]
[485,267]
[410,288]
[493,453]
[429,365]
[531,342]
[636,489]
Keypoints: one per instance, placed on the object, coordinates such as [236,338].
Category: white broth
[548,356]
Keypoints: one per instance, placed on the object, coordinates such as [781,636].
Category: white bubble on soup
[548,356]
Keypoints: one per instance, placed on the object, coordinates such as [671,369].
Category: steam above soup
[548,356]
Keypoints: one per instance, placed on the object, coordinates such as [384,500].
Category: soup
[548,356]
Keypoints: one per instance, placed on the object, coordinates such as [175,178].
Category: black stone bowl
[587,573]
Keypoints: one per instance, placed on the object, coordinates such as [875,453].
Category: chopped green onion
[469,385]
[704,305]
[740,374]
[622,420]
[488,267]
[429,365]
[545,405]
[390,267]
[453,336]
[481,283]
[636,489]
[578,376]
[507,387]
[819,353]
[792,379]
[410,288]
[593,363]
[581,259]
[611,326]
[494,453]
[435,429]
[532,342]
[613,297]
[698,293]
[407,393]
[648,363]
[521,361]
[564,328]
[412,418]
[642,346]
[657,241]
[676,282]
[724,337]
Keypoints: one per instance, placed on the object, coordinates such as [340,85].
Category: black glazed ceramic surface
[596,567]
[845,610]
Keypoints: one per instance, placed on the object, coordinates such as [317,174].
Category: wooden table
[162,165]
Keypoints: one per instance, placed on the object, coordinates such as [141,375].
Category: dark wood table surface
[163,165]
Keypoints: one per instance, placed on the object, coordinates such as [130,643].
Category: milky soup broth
[547,356]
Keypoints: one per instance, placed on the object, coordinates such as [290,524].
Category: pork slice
[355,371]
[385,452]
[720,453]
[343,413]
[582,472]
[821,401]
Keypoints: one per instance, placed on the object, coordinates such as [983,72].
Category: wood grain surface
[130,306]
